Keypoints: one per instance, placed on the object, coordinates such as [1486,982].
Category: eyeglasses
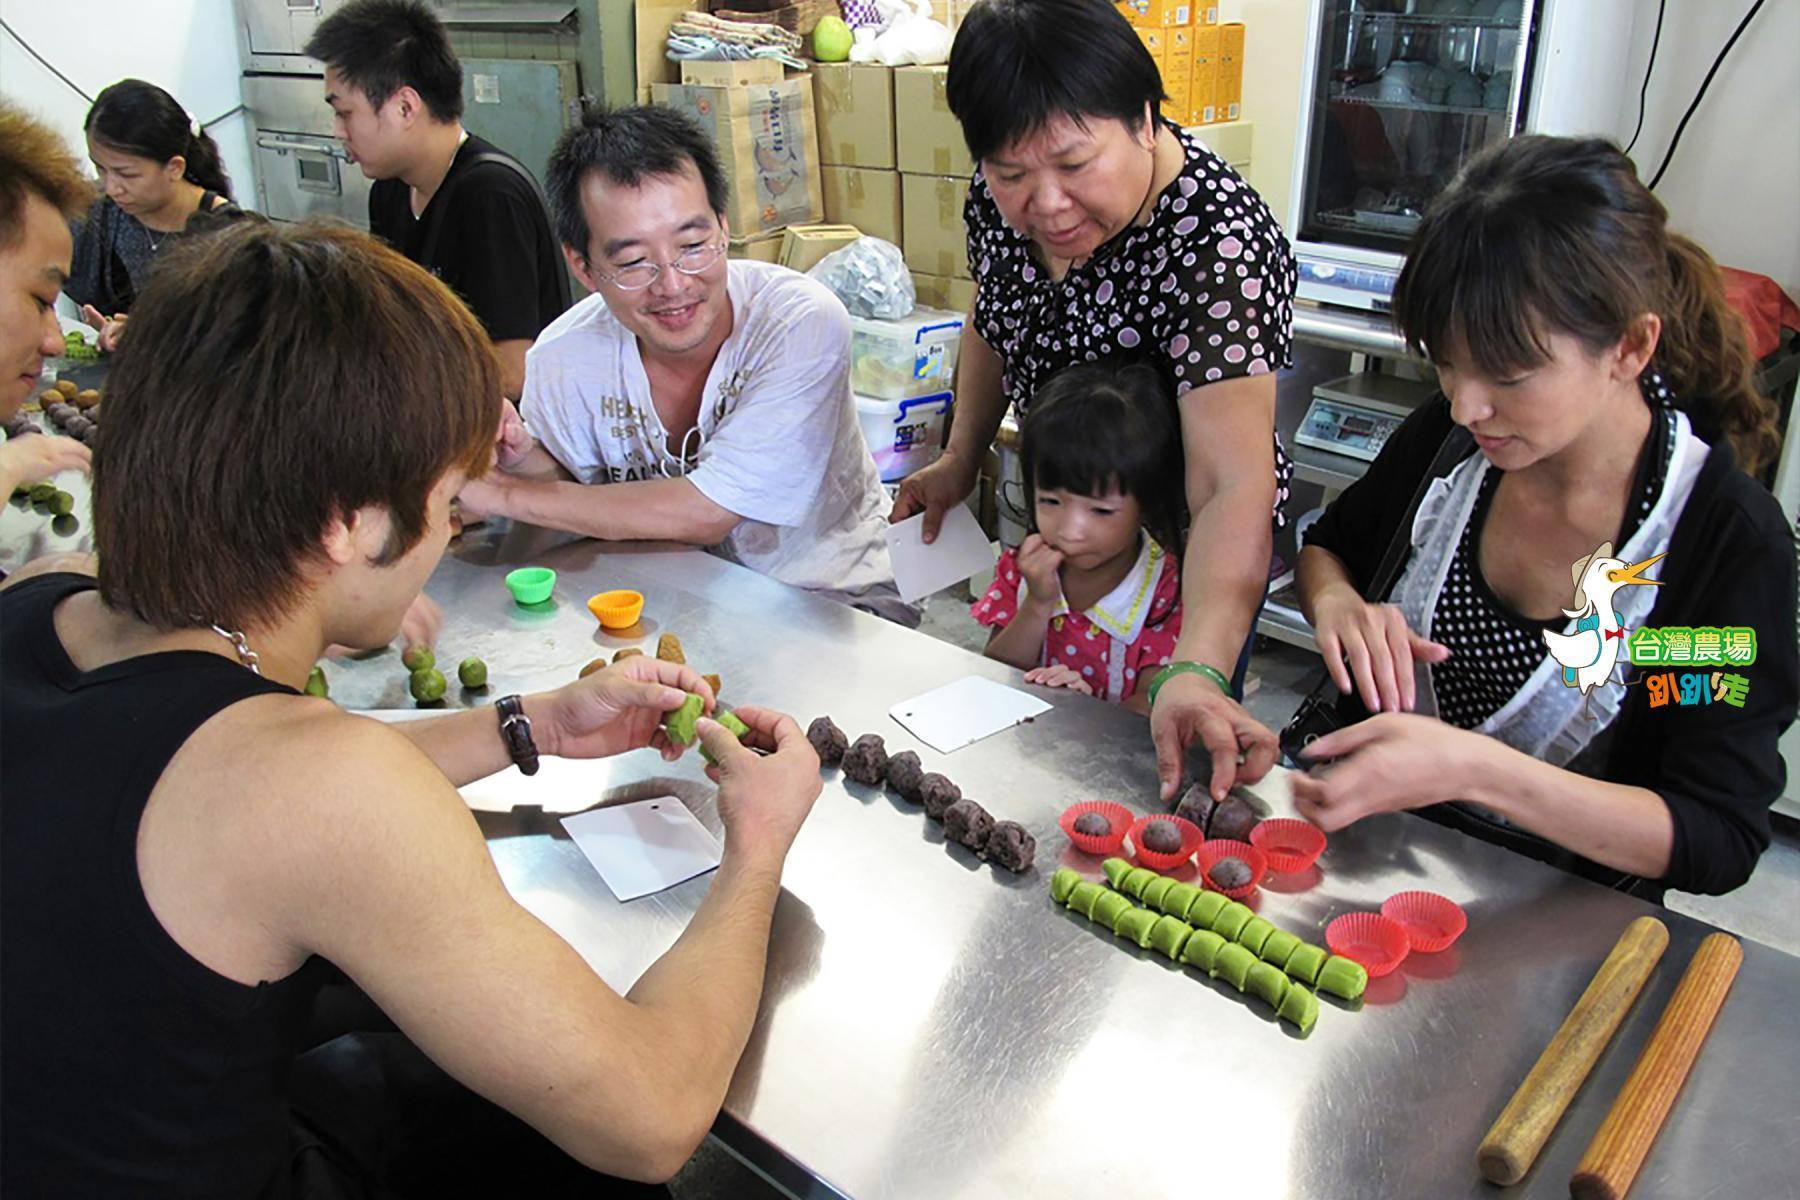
[641,275]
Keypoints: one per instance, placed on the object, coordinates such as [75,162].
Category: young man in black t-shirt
[448,200]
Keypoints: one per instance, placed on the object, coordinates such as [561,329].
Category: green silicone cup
[1300,1008]
[531,585]
[1062,883]
[1107,907]
[1206,909]
[1275,951]
[1267,984]
[1232,964]
[1255,932]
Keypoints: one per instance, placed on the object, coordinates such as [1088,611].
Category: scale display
[1341,427]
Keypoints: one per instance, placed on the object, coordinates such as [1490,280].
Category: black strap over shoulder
[429,248]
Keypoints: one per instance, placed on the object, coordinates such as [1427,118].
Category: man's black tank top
[127,1068]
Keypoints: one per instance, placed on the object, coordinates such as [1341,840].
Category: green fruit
[832,40]
[473,673]
[427,685]
[62,504]
[315,683]
[418,658]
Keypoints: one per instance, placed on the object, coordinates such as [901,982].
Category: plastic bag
[870,277]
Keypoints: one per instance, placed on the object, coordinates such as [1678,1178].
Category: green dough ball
[40,492]
[1107,908]
[1170,935]
[730,721]
[1205,909]
[1267,983]
[680,724]
[418,658]
[1202,949]
[427,685]
[1255,932]
[1116,870]
[1178,898]
[1136,926]
[1304,963]
[315,683]
[1155,890]
[1231,921]
[1275,951]
[62,504]
[472,672]
[1062,883]
[1232,964]
[1343,978]
[1082,898]
[1299,1008]
[1135,882]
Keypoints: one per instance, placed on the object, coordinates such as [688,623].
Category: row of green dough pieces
[1234,922]
[1201,948]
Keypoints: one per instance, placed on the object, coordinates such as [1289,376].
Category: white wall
[1734,185]
[188,47]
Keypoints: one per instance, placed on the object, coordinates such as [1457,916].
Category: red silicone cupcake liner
[1191,837]
[1222,848]
[1118,818]
[1289,844]
[1431,922]
[1370,939]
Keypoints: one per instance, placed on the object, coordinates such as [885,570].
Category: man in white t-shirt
[693,397]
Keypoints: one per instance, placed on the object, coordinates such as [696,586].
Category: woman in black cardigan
[1590,357]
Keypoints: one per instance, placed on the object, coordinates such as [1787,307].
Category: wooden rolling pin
[1618,1149]
[1523,1126]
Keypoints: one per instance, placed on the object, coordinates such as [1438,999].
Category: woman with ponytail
[157,170]
[1596,393]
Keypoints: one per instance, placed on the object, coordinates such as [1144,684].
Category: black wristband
[515,731]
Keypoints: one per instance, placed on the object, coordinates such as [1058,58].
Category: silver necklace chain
[245,654]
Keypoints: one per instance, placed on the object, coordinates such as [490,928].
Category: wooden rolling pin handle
[1526,1122]
[1624,1139]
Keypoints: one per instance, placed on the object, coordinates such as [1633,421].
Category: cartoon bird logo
[1589,654]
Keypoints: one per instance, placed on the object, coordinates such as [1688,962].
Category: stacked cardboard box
[1201,61]
[856,147]
[935,168]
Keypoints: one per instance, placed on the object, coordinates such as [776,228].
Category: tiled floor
[1767,908]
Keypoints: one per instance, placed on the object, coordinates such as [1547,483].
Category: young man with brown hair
[41,191]
[188,845]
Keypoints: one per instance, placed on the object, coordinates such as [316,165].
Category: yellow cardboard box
[764,247]
[1156,43]
[1206,14]
[1229,97]
[804,245]
[855,104]
[863,197]
[1204,84]
[934,239]
[652,19]
[768,145]
[927,138]
[1178,73]
[1158,14]
[945,292]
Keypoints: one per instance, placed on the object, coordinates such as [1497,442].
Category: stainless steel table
[933,1028]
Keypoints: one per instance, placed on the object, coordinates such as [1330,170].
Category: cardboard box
[1156,43]
[1229,96]
[652,19]
[1204,84]
[768,145]
[927,138]
[855,105]
[865,198]
[804,245]
[1158,14]
[1206,14]
[944,291]
[764,247]
[931,212]
[743,73]
[1178,56]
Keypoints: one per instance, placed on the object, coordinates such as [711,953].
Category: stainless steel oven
[301,169]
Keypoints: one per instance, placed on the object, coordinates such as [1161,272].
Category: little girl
[1091,600]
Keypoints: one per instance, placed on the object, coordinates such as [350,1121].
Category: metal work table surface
[933,1027]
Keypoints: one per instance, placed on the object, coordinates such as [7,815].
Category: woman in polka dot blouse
[1091,600]
[1097,228]
[1606,382]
